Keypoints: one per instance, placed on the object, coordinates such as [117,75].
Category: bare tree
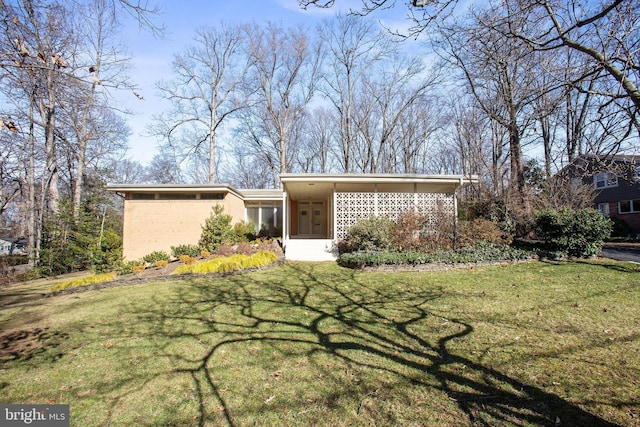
[204,93]
[420,13]
[356,48]
[606,32]
[316,153]
[391,96]
[499,74]
[284,71]
[163,169]
[54,61]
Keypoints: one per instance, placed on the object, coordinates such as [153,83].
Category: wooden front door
[312,219]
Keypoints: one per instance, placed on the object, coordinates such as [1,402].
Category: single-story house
[312,211]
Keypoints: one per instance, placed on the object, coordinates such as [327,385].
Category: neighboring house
[312,211]
[10,246]
[616,181]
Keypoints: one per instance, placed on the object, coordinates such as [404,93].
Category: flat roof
[246,194]
[297,178]
[377,178]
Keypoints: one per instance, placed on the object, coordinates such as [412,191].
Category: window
[629,206]
[143,196]
[605,180]
[265,215]
[603,208]
[177,196]
[211,196]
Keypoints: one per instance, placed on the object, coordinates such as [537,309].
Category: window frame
[634,206]
[608,179]
[604,209]
[276,206]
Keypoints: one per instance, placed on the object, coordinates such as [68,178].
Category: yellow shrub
[228,264]
[187,259]
[209,266]
[83,281]
[138,268]
[184,269]
[205,254]
[161,263]
[265,257]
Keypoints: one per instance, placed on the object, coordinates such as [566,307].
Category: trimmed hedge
[480,252]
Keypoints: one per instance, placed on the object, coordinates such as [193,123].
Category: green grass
[317,344]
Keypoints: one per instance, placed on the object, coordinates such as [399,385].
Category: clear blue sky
[152,56]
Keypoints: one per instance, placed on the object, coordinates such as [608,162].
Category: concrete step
[311,250]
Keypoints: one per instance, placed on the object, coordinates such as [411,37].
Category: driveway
[621,252]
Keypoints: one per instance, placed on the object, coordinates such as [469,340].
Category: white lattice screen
[350,207]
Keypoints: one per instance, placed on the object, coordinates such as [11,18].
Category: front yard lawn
[538,343]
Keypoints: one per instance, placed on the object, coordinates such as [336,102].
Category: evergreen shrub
[156,256]
[216,230]
[373,233]
[579,233]
[189,250]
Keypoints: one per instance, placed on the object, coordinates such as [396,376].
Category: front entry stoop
[311,250]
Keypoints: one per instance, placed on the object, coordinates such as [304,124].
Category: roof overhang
[261,195]
[173,188]
[319,186]
[377,178]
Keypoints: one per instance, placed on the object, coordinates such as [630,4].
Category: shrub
[189,250]
[579,233]
[479,229]
[344,247]
[480,252]
[89,241]
[156,256]
[128,267]
[229,264]
[216,229]
[161,263]
[30,274]
[408,231]
[13,260]
[205,254]
[371,233]
[620,228]
[244,232]
[84,281]
[138,268]
[186,259]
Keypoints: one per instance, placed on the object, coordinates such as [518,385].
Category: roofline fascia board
[379,178]
[173,188]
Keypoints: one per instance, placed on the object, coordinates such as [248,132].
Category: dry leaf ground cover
[316,344]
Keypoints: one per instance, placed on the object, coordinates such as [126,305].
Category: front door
[312,219]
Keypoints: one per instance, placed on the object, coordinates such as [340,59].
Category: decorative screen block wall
[350,207]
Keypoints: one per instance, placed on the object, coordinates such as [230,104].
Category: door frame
[309,204]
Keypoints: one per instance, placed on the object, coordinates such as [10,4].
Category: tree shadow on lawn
[388,331]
